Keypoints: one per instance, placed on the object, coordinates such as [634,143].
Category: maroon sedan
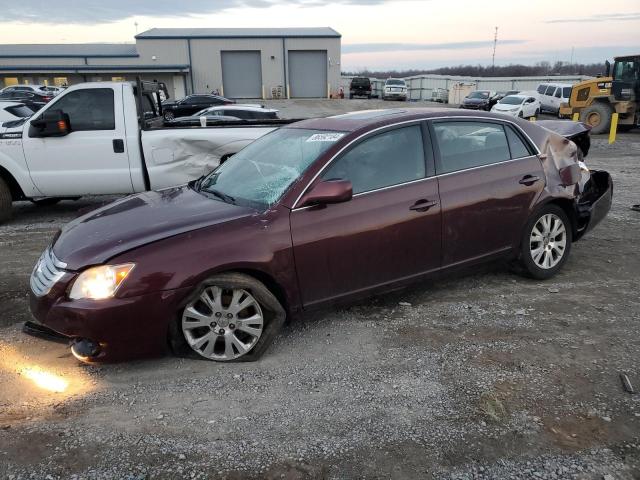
[323,210]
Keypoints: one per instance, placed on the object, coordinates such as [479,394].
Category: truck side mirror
[52,123]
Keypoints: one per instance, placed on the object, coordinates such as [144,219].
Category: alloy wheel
[222,323]
[169,116]
[548,241]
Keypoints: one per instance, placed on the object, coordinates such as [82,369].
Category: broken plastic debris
[626,383]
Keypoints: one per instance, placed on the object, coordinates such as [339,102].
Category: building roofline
[259,33]
[81,68]
[58,55]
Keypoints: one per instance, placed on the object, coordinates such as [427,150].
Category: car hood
[138,220]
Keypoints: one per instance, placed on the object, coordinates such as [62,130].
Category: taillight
[47,99]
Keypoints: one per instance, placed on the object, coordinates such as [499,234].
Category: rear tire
[184,338]
[546,242]
[598,116]
[5,201]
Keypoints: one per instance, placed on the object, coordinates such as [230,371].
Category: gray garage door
[242,74]
[308,73]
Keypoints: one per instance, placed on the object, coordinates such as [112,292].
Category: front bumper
[595,202]
[124,328]
[398,95]
[471,106]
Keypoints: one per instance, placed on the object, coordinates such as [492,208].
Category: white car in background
[13,111]
[395,89]
[42,89]
[523,106]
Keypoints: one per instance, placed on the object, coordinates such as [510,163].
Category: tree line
[512,70]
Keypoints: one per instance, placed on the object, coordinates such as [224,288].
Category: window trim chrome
[417,121]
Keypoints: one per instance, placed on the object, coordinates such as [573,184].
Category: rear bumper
[595,202]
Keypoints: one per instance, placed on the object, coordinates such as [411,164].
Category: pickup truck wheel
[229,317]
[169,116]
[546,243]
[5,201]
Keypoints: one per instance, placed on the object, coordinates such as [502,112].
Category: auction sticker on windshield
[325,137]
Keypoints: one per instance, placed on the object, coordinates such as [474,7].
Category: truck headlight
[98,283]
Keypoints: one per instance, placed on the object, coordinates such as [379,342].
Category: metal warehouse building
[237,62]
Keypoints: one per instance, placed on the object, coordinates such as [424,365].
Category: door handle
[118,145]
[529,180]
[423,205]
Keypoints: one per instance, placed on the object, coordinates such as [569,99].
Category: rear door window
[566,92]
[558,93]
[517,146]
[550,90]
[469,144]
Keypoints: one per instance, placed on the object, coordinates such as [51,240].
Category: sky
[376,34]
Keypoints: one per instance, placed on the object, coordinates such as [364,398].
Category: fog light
[84,349]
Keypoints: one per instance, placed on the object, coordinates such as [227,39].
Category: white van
[551,95]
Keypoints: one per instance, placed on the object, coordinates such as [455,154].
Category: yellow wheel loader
[597,99]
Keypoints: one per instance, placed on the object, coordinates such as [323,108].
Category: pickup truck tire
[219,292]
[5,201]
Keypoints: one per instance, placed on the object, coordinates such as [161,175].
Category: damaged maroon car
[317,212]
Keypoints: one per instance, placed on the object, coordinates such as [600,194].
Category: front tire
[546,242]
[5,201]
[229,317]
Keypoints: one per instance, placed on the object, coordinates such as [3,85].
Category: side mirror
[52,123]
[328,191]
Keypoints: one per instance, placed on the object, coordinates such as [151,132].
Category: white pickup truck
[109,138]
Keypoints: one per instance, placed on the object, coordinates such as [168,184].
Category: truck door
[93,157]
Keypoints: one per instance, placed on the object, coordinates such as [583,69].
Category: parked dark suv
[360,87]
[192,104]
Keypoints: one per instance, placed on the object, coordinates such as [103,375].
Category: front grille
[46,273]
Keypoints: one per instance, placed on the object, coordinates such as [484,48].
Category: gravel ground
[484,375]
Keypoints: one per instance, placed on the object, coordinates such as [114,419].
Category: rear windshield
[479,95]
[395,82]
[20,111]
[361,81]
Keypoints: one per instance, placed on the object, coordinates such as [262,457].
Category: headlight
[101,282]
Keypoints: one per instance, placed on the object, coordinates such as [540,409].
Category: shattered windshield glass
[260,173]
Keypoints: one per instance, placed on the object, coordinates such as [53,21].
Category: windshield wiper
[225,198]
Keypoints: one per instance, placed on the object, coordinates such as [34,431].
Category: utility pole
[495,43]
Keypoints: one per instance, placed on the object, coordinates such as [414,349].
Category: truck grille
[46,273]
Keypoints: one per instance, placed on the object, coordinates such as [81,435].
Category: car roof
[369,119]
